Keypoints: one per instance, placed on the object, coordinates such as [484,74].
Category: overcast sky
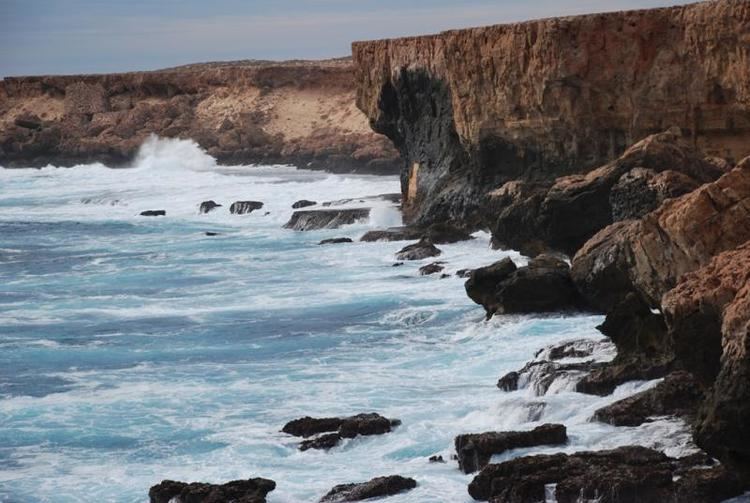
[91,36]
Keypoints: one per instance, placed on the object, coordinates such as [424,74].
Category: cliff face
[299,112]
[472,109]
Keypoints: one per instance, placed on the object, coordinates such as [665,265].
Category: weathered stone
[208,206]
[307,220]
[375,488]
[303,203]
[325,441]
[335,241]
[239,491]
[418,251]
[433,268]
[244,207]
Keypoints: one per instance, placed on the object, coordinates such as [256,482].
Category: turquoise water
[136,349]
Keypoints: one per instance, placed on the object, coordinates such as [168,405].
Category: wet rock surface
[239,491]
[303,203]
[622,475]
[337,428]
[307,220]
[208,206]
[433,268]
[335,241]
[244,207]
[418,251]
[153,213]
[439,233]
[375,488]
[475,450]
[543,285]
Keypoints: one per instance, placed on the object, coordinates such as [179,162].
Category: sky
[100,36]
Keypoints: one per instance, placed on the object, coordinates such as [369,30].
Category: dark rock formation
[239,491]
[433,268]
[472,109]
[335,241]
[208,206]
[475,450]
[375,488]
[307,220]
[392,234]
[346,427]
[623,475]
[436,459]
[641,191]
[242,112]
[677,395]
[211,234]
[303,203]
[244,207]
[541,286]
[418,251]
[440,233]
[153,213]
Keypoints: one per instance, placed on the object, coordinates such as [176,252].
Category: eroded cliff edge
[296,112]
[472,109]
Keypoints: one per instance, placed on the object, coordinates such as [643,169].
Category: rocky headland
[298,112]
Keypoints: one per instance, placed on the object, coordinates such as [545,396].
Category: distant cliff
[296,112]
[472,109]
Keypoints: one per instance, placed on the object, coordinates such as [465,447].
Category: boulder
[309,426]
[153,213]
[433,268]
[335,241]
[208,206]
[306,220]
[392,234]
[677,395]
[474,451]
[418,251]
[375,488]
[337,428]
[244,207]
[623,475]
[543,285]
[303,203]
[240,491]
[640,191]
[440,233]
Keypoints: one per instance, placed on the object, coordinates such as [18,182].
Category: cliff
[472,109]
[297,112]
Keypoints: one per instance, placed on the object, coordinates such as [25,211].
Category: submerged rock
[475,450]
[335,241]
[306,220]
[244,207]
[623,475]
[433,268]
[418,251]
[153,213]
[240,491]
[208,206]
[346,427]
[375,488]
[303,203]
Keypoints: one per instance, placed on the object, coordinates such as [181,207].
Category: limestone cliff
[298,112]
[472,109]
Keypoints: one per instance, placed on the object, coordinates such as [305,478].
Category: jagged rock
[375,488]
[208,206]
[244,207]
[239,491]
[392,234]
[335,241]
[325,441]
[306,220]
[344,427]
[543,285]
[640,191]
[303,203]
[623,475]
[677,395]
[439,233]
[464,273]
[418,251]
[153,213]
[475,450]
[436,459]
[433,268]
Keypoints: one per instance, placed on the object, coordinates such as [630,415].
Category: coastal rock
[541,286]
[153,213]
[440,233]
[242,112]
[335,241]
[418,251]
[244,207]
[641,191]
[325,442]
[474,451]
[308,426]
[307,220]
[208,206]
[472,109]
[677,395]
[346,427]
[303,203]
[622,475]
[376,488]
[392,234]
[433,268]
[241,491]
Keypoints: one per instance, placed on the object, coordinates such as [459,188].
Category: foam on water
[135,349]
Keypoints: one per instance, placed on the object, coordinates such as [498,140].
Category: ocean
[136,349]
